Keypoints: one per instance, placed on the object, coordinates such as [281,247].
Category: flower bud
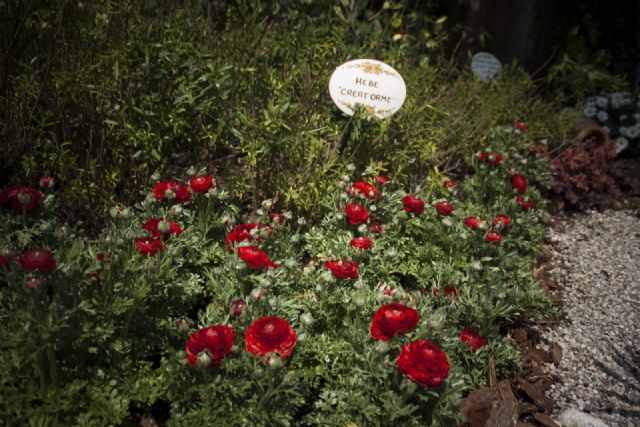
[169,194]
[477,265]
[164,226]
[275,362]
[175,210]
[482,224]
[6,251]
[192,171]
[302,221]
[34,283]
[273,302]
[302,336]
[258,294]
[184,324]
[381,347]
[295,238]
[181,356]
[327,277]
[339,216]
[307,319]
[437,319]
[239,308]
[362,228]
[373,208]
[155,176]
[351,167]
[259,212]
[46,182]
[358,299]
[203,359]
[264,232]
[267,204]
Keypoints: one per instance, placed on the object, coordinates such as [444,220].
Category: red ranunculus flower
[448,291]
[448,184]
[470,337]
[208,346]
[483,156]
[149,246]
[356,214]
[505,220]
[520,126]
[413,204]
[519,182]
[201,183]
[34,283]
[101,257]
[444,208]
[46,182]
[22,198]
[376,228]
[255,258]
[342,269]
[392,319]
[382,179]
[361,243]
[493,237]
[4,262]
[525,204]
[368,190]
[37,260]
[180,191]
[424,363]
[472,222]
[497,159]
[240,232]
[277,218]
[270,335]
[152,227]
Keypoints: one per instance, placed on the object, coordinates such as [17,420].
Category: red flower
[180,191]
[444,208]
[376,228]
[502,219]
[448,184]
[519,182]
[22,198]
[46,182]
[472,222]
[356,213]
[100,256]
[361,243]
[208,346]
[277,218]
[201,184]
[270,335]
[470,337]
[382,179]
[493,237]
[342,269]
[238,307]
[149,246]
[448,291]
[364,188]
[4,262]
[152,227]
[413,204]
[494,158]
[255,258]
[392,319]
[525,204]
[424,363]
[520,126]
[37,260]
[239,233]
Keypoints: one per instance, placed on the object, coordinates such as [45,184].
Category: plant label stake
[485,66]
[374,84]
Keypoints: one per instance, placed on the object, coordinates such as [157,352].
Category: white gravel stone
[596,264]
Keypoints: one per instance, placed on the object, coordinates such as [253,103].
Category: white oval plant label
[374,84]
[485,66]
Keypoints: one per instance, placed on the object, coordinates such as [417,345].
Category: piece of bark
[524,424]
[536,395]
[505,411]
[476,407]
[545,420]
[521,337]
[545,356]
[493,378]
[556,353]
[527,408]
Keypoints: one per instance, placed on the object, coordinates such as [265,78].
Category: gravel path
[596,264]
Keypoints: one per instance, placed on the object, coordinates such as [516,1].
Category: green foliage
[98,340]
[126,89]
